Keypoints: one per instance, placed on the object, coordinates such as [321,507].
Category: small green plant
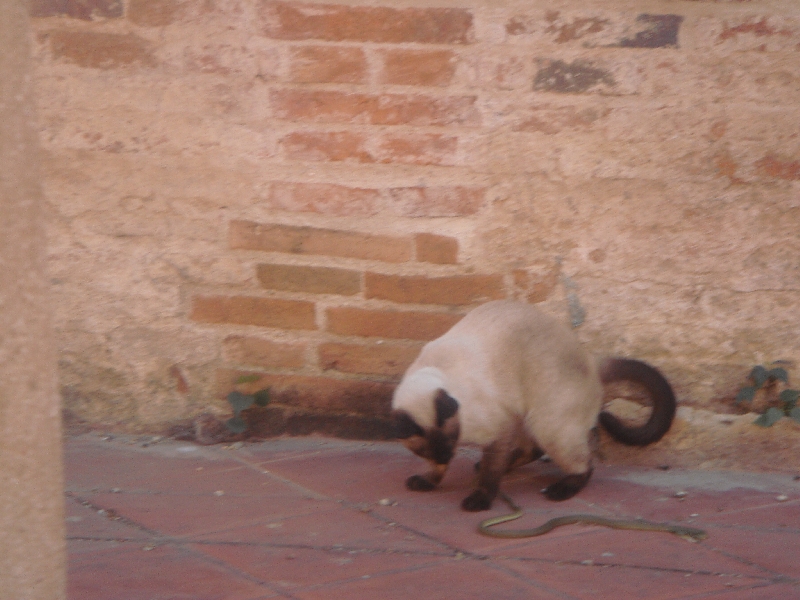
[240,402]
[768,381]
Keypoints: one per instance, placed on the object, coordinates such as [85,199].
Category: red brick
[779,168]
[536,287]
[403,148]
[246,235]
[249,310]
[418,67]
[155,13]
[418,149]
[368,359]
[455,290]
[552,120]
[325,199]
[329,106]
[310,392]
[409,325]
[326,64]
[442,201]
[257,352]
[438,249]
[326,146]
[314,280]
[334,22]
[77,9]
[100,50]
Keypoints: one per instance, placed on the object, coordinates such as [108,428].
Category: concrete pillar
[32,555]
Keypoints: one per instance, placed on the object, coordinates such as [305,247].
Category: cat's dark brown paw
[566,488]
[418,483]
[477,501]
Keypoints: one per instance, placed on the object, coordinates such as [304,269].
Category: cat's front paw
[418,483]
[559,492]
[476,501]
[566,488]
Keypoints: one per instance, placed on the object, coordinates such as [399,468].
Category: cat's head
[432,439]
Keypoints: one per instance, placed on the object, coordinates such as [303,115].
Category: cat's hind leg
[572,454]
[494,463]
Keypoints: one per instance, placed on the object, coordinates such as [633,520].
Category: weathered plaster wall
[32,556]
[309,191]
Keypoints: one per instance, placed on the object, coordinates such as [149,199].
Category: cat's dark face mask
[436,444]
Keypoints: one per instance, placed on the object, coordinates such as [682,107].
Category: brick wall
[299,194]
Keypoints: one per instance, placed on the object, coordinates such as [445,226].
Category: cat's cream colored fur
[518,384]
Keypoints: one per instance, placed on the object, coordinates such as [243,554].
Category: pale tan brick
[257,352]
[418,289]
[325,198]
[418,67]
[98,50]
[410,325]
[154,13]
[326,146]
[333,106]
[438,249]
[336,22]
[327,64]
[314,280]
[247,235]
[249,310]
[368,359]
[440,201]
[418,149]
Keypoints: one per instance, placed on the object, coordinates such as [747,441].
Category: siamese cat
[518,384]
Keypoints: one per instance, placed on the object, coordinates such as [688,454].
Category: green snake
[688,533]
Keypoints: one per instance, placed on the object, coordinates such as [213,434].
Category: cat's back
[501,341]
[501,323]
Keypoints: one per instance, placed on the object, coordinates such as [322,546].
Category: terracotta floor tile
[601,581]
[773,551]
[293,568]
[177,469]
[353,474]
[130,572]
[334,527]
[181,515]
[633,549]
[320,518]
[88,522]
[774,514]
[450,580]
[758,591]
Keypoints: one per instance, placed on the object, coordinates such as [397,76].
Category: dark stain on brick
[277,420]
[726,166]
[86,10]
[571,78]
[660,31]
[773,166]
[576,29]
[180,381]
[518,26]
[758,28]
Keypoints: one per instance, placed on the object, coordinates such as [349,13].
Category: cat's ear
[405,426]
[446,407]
